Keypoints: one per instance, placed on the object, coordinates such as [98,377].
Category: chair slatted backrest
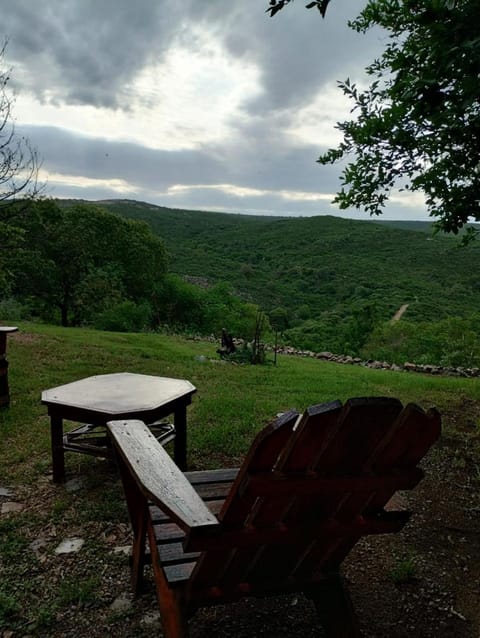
[309,488]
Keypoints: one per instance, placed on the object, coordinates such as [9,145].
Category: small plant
[75,592]
[45,617]
[104,506]
[8,607]
[12,543]
[58,510]
[404,571]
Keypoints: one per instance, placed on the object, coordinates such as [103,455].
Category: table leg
[4,392]
[58,455]
[180,440]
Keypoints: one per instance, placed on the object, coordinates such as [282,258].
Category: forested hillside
[325,283]
[334,284]
[319,264]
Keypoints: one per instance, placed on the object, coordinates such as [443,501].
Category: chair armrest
[158,478]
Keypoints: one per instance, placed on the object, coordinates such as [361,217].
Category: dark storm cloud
[297,52]
[88,52]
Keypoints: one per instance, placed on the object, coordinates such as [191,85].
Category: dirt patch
[423,582]
[26,337]
[400,312]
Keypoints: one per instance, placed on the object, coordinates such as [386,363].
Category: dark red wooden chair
[310,487]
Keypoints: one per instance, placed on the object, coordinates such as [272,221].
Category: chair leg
[174,621]
[138,553]
[334,607]
[170,601]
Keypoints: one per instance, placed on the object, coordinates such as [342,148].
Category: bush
[125,316]
[203,310]
[450,342]
[13,310]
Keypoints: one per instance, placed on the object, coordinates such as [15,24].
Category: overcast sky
[200,104]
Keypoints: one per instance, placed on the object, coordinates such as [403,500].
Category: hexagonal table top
[118,394]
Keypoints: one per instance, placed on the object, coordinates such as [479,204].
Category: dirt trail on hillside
[400,312]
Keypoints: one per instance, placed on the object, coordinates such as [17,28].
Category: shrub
[125,316]
[449,342]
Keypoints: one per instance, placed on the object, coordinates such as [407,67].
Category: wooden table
[96,400]
[4,391]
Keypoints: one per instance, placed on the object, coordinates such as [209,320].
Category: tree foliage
[81,265]
[276,5]
[19,166]
[18,159]
[185,306]
[453,341]
[417,125]
[82,260]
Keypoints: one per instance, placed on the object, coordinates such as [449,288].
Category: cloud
[260,167]
[70,154]
[199,103]
[101,169]
[87,52]
[92,52]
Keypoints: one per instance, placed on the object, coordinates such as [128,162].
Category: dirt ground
[423,582]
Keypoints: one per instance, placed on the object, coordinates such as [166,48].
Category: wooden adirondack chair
[310,487]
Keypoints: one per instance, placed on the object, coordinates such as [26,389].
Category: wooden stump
[4,390]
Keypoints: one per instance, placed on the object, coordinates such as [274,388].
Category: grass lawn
[232,403]
[43,594]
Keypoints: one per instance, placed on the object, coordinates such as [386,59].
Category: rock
[122,602]
[151,618]
[38,545]
[6,492]
[123,549]
[74,484]
[69,546]
[10,507]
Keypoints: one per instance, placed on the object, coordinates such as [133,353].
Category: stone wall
[383,365]
[369,363]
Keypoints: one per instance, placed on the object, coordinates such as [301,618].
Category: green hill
[319,264]
[329,283]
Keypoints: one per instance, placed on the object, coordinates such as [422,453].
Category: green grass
[12,539]
[9,607]
[232,403]
[73,591]
[404,570]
